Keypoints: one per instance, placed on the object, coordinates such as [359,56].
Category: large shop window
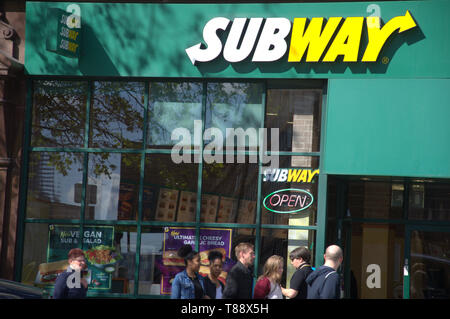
[101,177]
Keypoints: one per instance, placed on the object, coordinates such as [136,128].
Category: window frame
[318,228]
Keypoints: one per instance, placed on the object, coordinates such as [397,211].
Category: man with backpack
[324,282]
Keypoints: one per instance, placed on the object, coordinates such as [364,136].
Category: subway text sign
[313,42]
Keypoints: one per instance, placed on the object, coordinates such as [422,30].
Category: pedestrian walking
[268,284]
[239,281]
[300,258]
[324,282]
[213,286]
[188,284]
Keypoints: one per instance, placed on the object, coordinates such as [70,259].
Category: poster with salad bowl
[98,246]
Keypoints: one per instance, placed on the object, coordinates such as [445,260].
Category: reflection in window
[297,114]
[172,105]
[229,193]
[59,113]
[429,201]
[430,265]
[170,190]
[375,199]
[54,185]
[117,114]
[113,181]
[150,271]
[234,105]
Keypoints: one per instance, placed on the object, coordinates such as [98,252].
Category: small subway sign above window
[65,36]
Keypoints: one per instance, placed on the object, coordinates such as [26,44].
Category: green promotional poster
[98,248]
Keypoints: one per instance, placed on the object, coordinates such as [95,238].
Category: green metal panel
[391,127]
[149,40]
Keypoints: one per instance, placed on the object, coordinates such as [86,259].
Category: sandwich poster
[98,248]
[210,239]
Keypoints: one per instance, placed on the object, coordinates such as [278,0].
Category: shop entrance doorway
[395,234]
[427,262]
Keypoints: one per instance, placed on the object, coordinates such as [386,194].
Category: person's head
[333,256]
[76,259]
[245,253]
[191,257]
[299,256]
[273,268]
[215,263]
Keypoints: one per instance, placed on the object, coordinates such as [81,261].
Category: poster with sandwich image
[210,239]
[100,254]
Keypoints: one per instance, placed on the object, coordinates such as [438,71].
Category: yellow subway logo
[319,40]
[291,175]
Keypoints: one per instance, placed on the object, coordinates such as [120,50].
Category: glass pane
[54,185]
[282,242]
[109,251]
[117,114]
[377,258]
[113,186]
[429,201]
[297,115]
[229,193]
[375,199]
[171,106]
[430,265]
[59,113]
[170,190]
[159,261]
[289,193]
[233,106]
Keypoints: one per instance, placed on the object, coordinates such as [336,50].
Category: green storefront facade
[109,84]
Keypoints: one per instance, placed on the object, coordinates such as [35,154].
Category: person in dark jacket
[70,284]
[324,282]
[239,281]
[300,258]
[213,286]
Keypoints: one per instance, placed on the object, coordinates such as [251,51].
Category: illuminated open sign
[287,201]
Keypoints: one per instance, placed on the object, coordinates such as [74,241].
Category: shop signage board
[63,238]
[313,39]
[290,175]
[279,40]
[65,35]
[210,239]
[288,201]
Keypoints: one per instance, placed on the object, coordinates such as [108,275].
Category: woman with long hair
[268,284]
[188,284]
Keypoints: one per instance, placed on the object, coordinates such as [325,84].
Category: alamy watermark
[222,149]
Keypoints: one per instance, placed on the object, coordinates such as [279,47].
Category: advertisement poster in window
[210,239]
[100,253]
